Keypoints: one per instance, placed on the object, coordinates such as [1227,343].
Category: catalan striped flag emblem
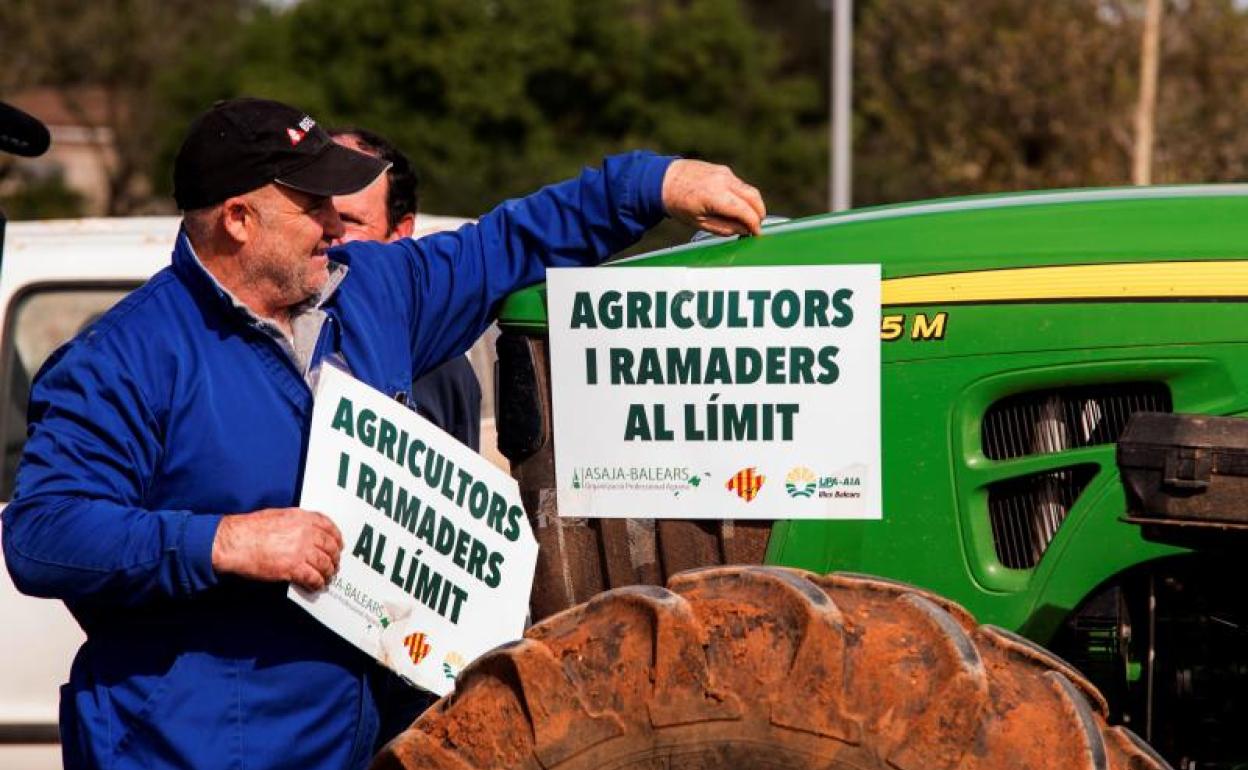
[746,483]
[417,647]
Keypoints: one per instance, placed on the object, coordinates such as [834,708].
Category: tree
[493,98]
[120,46]
[959,98]
[1202,106]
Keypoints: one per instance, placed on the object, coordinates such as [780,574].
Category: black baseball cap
[243,144]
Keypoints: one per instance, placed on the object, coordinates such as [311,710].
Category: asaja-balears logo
[747,483]
[635,478]
[800,482]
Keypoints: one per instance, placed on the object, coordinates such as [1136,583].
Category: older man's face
[288,256]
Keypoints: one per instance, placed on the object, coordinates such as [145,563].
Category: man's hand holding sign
[711,197]
[279,544]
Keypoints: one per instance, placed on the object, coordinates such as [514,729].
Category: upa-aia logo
[800,482]
[417,647]
[746,483]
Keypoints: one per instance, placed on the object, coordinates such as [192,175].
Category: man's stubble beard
[290,280]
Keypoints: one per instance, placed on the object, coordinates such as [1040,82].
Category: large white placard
[438,555]
[717,392]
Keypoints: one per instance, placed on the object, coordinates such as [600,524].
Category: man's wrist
[225,546]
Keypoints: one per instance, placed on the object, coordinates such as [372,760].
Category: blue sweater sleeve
[457,279]
[76,527]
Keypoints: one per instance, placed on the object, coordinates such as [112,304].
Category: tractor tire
[757,667]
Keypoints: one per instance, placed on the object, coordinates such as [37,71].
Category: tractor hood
[955,245]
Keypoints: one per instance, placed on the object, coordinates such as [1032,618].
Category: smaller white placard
[438,555]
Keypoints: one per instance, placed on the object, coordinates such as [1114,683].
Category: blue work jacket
[176,408]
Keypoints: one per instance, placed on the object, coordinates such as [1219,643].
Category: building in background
[75,176]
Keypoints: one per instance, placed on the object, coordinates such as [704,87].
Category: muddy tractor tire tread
[741,667]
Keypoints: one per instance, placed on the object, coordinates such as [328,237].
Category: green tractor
[1020,335]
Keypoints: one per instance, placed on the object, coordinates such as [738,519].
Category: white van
[56,276]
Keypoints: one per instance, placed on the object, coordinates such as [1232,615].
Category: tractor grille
[1026,512]
[1048,421]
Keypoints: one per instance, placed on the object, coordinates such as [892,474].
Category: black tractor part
[1168,645]
[1186,478]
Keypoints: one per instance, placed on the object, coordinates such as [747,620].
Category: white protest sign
[438,555]
[745,392]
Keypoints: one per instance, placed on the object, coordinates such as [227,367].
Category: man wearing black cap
[156,492]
